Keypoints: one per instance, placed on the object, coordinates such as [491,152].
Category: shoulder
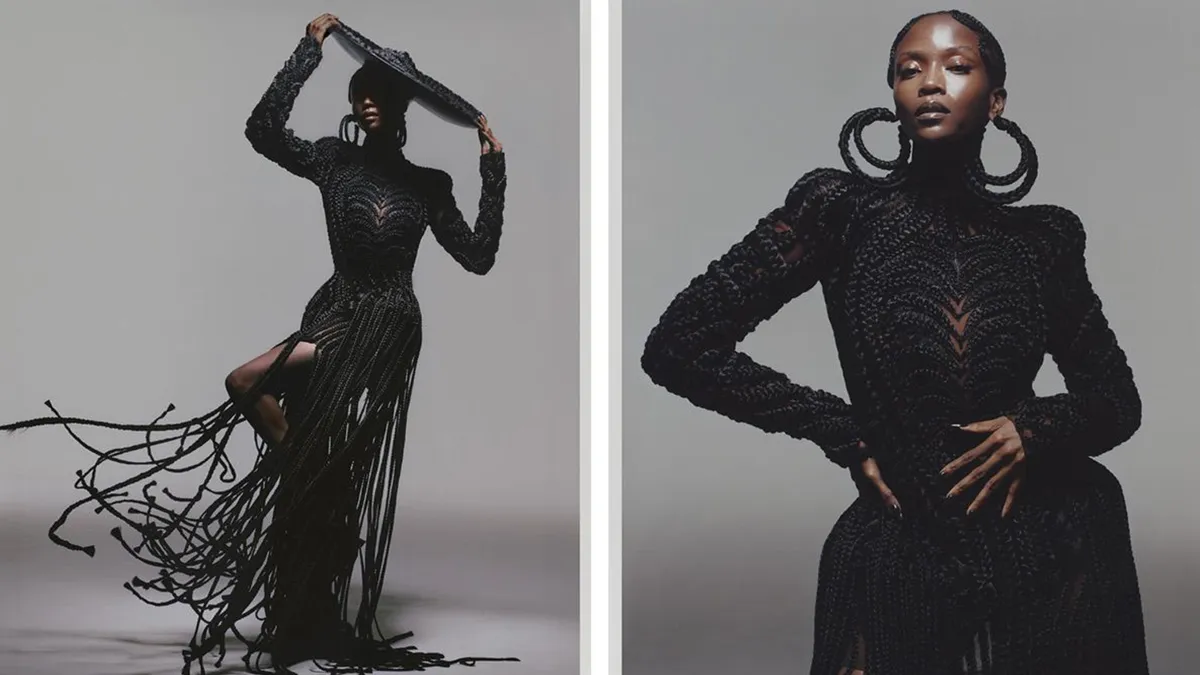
[1057,229]
[828,200]
[431,178]
[330,142]
[822,186]
[332,146]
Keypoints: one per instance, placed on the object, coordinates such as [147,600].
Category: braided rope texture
[943,305]
[282,543]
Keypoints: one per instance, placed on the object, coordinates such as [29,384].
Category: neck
[942,167]
[382,143]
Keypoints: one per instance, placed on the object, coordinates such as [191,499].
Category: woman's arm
[267,129]
[693,351]
[1102,408]
[474,249]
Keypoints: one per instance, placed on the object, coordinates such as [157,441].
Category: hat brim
[431,94]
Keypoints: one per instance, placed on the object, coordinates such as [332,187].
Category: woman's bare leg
[856,657]
[264,412]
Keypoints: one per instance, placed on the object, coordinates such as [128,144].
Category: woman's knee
[240,380]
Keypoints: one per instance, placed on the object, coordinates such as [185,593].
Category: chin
[935,135]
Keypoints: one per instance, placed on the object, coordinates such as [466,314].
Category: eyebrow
[918,54]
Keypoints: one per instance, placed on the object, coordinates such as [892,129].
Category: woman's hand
[870,471]
[487,139]
[320,26]
[1005,456]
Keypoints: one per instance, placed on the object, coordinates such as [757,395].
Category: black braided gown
[282,542]
[943,308]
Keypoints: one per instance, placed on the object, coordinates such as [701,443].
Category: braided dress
[282,542]
[943,308]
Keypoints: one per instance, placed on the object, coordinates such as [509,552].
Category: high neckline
[942,170]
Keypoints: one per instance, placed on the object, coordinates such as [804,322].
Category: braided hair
[977,178]
[396,94]
[989,47]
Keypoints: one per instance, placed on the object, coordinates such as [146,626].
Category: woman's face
[374,102]
[941,87]
[369,108]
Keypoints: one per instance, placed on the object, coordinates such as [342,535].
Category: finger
[987,489]
[968,456]
[979,472]
[889,497]
[982,426]
[871,470]
[1013,488]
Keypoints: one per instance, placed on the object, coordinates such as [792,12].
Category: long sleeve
[266,129]
[693,353]
[1102,408]
[474,249]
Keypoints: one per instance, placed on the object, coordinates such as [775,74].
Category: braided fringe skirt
[280,544]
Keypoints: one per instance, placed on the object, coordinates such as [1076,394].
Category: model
[328,405]
[986,538]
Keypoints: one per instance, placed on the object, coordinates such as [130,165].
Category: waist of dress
[374,277]
[906,427]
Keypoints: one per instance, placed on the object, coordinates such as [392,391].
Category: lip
[931,110]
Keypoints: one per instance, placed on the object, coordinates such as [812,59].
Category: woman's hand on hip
[870,471]
[320,27]
[487,138]
[1001,454]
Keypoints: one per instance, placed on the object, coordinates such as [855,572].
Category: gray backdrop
[727,104]
[147,250]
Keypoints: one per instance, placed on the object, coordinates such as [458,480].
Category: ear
[998,98]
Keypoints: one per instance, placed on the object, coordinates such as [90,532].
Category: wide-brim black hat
[433,95]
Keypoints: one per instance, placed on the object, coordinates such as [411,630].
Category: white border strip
[598,531]
[614,348]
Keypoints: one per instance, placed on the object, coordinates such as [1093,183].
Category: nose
[933,83]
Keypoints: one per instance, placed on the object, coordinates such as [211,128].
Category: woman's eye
[960,68]
[908,71]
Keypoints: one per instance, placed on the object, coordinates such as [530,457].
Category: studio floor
[465,587]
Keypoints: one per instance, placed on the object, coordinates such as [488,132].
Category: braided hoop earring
[978,179]
[344,130]
[897,168]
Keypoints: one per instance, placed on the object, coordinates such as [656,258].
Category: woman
[985,538]
[328,404]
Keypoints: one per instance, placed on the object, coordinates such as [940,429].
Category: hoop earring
[1027,169]
[897,168]
[344,130]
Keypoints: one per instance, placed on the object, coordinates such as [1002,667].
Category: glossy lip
[931,107]
[931,110]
